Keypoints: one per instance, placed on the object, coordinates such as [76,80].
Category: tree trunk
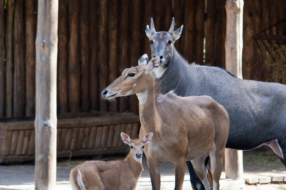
[233,51]
[30,56]
[113,45]
[84,50]
[74,66]
[19,64]
[2,57]
[62,58]
[103,50]
[46,95]
[189,29]
[9,58]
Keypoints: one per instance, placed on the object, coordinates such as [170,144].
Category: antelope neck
[134,165]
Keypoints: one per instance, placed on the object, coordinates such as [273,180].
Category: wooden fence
[99,38]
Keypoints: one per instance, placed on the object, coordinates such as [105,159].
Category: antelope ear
[147,138]
[148,31]
[125,138]
[177,33]
[143,60]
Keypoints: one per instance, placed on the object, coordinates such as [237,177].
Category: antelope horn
[153,30]
[172,25]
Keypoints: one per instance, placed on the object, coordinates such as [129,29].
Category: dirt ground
[262,162]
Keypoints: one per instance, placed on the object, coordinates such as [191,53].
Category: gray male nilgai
[257,110]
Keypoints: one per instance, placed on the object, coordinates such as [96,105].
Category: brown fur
[102,175]
[185,128]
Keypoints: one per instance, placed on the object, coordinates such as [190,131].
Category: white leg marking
[142,97]
[79,180]
[215,186]
[213,159]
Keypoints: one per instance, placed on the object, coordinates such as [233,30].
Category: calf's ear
[143,60]
[147,138]
[125,138]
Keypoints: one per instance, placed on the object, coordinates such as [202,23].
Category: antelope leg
[179,173]
[154,174]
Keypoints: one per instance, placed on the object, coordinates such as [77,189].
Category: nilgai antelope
[185,128]
[120,175]
[257,110]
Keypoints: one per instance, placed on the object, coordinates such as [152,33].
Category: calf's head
[136,145]
[162,43]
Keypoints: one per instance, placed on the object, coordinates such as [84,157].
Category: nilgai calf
[120,175]
[185,128]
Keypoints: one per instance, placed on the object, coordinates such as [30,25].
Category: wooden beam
[233,55]
[46,95]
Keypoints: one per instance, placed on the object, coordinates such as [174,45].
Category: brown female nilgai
[185,128]
[120,175]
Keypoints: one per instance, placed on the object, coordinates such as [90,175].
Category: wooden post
[233,55]
[46,97]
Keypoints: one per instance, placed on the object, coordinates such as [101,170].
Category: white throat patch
[142,97]
[139,160]
[159,71]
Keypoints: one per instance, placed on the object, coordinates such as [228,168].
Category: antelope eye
[131,147]
[142,146]
[131,74]
[151,41]
[169,42]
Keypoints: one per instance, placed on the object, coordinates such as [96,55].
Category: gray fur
[257,110]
